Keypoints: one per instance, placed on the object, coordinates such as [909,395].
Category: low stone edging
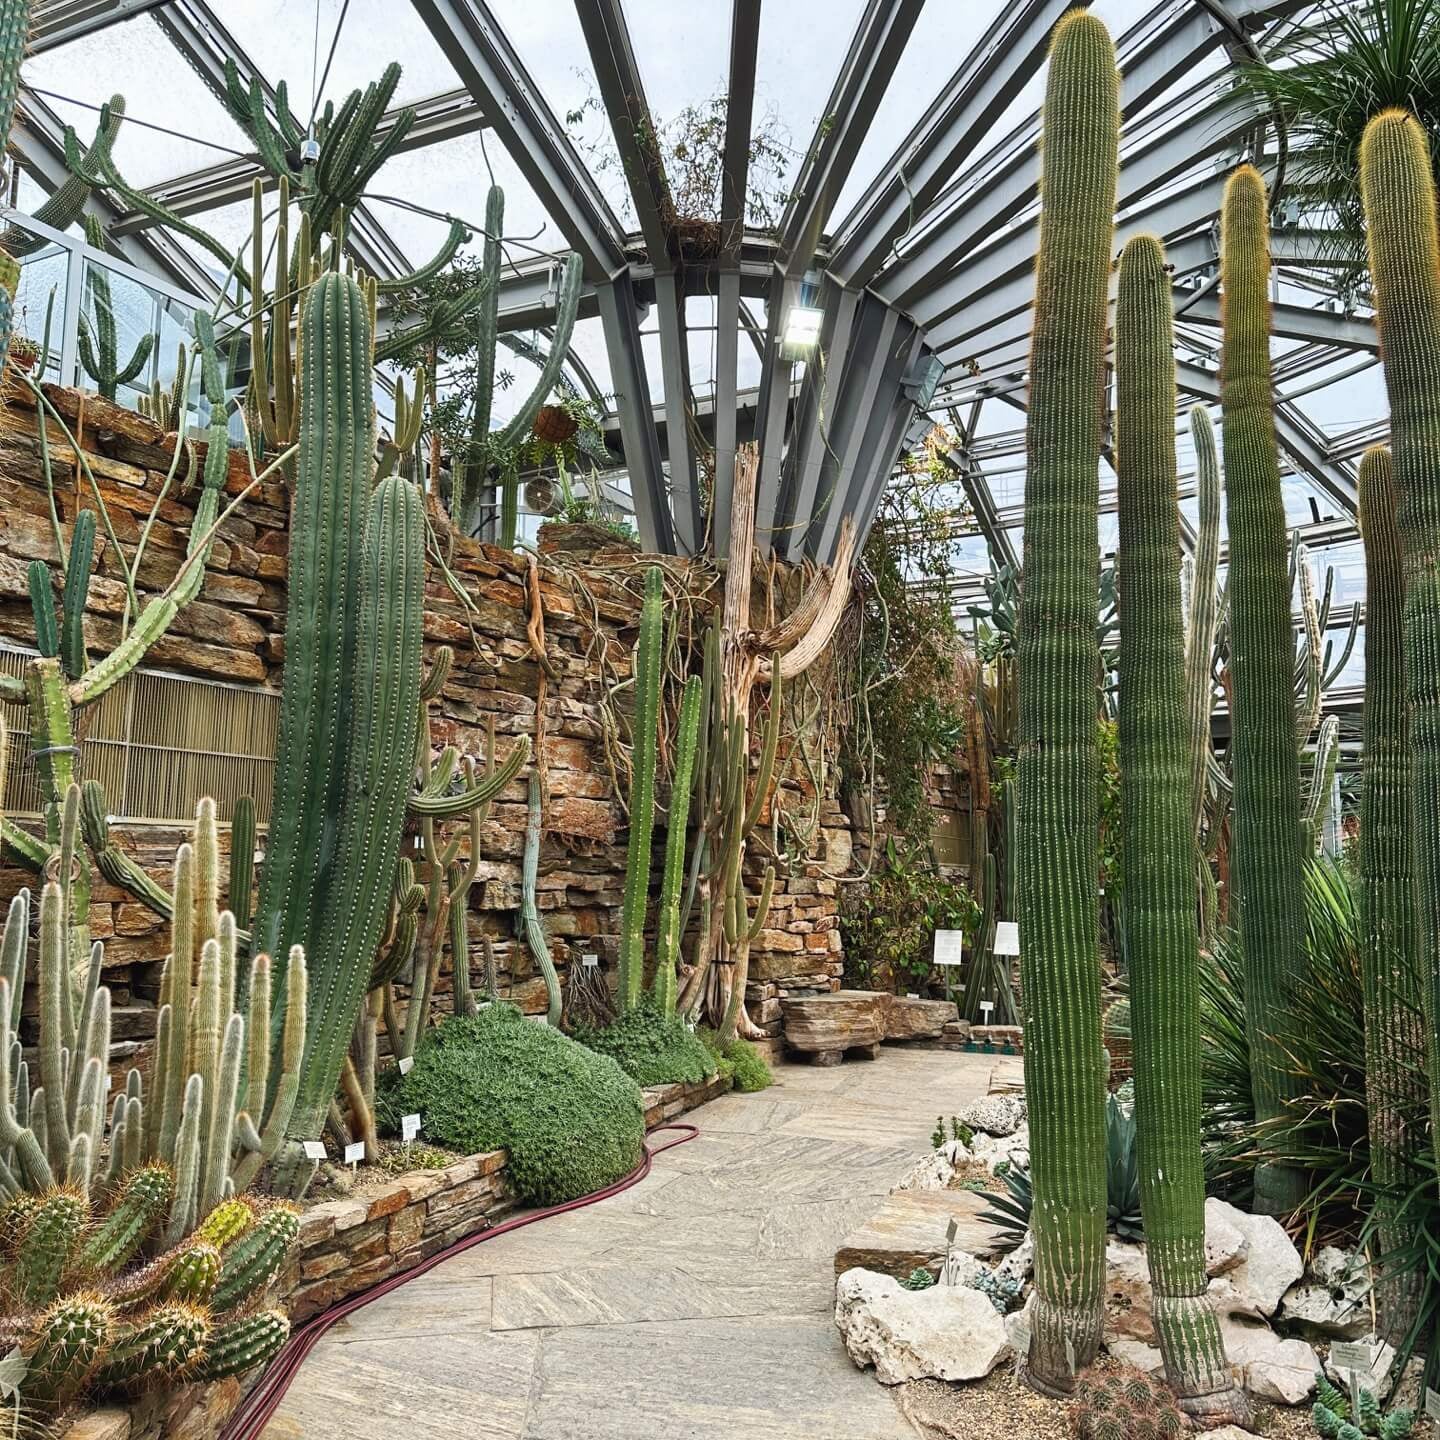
[349,1245]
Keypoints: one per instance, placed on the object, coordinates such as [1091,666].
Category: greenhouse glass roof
[889,183]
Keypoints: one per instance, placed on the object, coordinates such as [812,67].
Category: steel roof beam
[58,22]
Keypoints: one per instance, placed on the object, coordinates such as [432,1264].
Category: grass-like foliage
[740,1061]
[572,1120]
[651,1047]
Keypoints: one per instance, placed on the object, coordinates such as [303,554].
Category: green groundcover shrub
[652,1048]
[571,1119]
[739,1061]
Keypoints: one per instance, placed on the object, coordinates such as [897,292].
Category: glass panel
[119,317]
[43,275]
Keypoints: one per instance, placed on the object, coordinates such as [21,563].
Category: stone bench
[827,1027]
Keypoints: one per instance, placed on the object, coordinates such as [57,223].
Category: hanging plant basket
[554,425]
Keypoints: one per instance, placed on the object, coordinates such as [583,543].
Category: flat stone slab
[908,1230]
[826,1026]
[907,1019]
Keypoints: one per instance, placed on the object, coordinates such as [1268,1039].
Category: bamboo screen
[158,743]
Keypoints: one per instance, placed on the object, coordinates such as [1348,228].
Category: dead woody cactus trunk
[731,804]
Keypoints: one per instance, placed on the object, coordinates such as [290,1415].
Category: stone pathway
[695,1306]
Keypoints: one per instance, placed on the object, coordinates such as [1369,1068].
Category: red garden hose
[262,1402]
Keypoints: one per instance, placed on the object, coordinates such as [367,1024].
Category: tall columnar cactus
[1315,805]
[496,448]
[1394,1039]
[14,29]
[98,336]
[1267,869]
[1159,899]
[1058,824]
[530,924]
[1398,190]
[646,673]
[667,924]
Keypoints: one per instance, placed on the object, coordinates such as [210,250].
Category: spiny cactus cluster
[1124,1405]
[1338,1417]
[90,1311]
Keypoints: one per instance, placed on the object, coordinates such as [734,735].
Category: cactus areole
[1058,852]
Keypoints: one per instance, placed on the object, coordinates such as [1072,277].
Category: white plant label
[314,1149]
[354,1152]
[1432,1403]
[409,1127]
[1022,1337]
[987,1006]
[1007,937]
[406,1065]
[1352,1355]
[109,1083]
[589,960]
[949,947]
[911,995]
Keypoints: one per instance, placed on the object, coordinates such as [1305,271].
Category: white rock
[1014,1149]
[1225,1241]
[1017,1327]
[1377,1378]
[1333,1298]
[1129,1300]
[1135,1353]
[1230,1432]
[1281,1371]
[959,1267]
[1019,1264]
[935,1170]
[946,1332]
[995,1114]
[1270,1266]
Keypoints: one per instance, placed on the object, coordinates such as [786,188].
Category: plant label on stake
[950,1231]
[1007,938]
[409,1128]
[405,1064]
[314,1149]
[1432,1403]
[589,960]
[354,1153]
[1354,1356]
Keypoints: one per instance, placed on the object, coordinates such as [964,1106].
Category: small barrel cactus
[1125,1405]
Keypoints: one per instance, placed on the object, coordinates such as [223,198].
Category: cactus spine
[1398,190]
[646,672]
[1267,871]
[1059,666]
[1162,944]
[667,925]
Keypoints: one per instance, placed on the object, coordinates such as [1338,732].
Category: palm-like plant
[1327,79]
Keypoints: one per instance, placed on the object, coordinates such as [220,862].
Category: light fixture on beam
[920,381]
[801,332]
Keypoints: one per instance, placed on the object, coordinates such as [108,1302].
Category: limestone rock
[935,1170]
[907,1019]
[960,1267]
[1137,1354]
[1269,1368]
[1269,1267]
[992,1150]
[1231,1432]
[1333,1297]
[1129,1300]
[909,1229]
[1225,1241]
[1377,1378]
[997,1115]
[946,1332]
[1019,1264]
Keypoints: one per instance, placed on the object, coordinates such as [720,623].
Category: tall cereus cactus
[1267,868]
[646,679]
[344,793]
[98,337]
[14,29]
[668,921]
[1398,190]
[1059,662]
[1395,1087]
[495,450]
[1157,836]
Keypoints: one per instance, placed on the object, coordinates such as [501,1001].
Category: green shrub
[740,1061]
[571,1120]
[653,1049]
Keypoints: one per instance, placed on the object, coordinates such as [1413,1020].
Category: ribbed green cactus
[1315,805]
[136,1210]
[165,1345]
[254,1260]
[667,923]
[243,1344]
[1058,822]
[51,1236]
[645,733]
[531,926]
[489,448]
[69,1339]
[97,336]
[1268,881]
[1398,190]
[1159,897]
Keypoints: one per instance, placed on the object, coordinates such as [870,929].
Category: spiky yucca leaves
[1058,830]
[1159,897]
[1394,1042]
[1268,852]
[642,789]
[1398,189]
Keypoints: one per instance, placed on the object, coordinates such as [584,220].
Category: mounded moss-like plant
[651,1047]
[739,1061]
[571,1120]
